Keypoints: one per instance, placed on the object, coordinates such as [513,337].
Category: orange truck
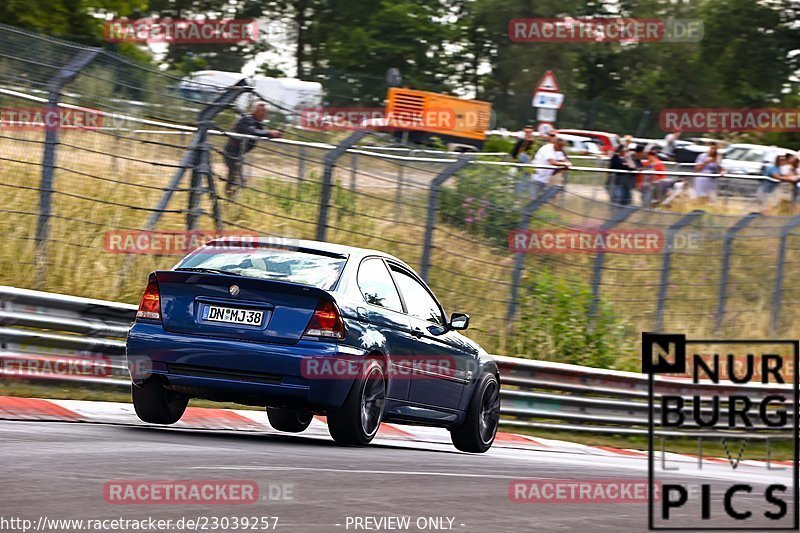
[419,116]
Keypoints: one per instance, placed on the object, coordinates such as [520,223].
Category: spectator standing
[551,153]
[523,144]
[656,183]
[236,147]
[670,142]
[521,154]
[707,163]
[622,183]
[773,171]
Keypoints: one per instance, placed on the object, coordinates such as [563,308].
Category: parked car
[751,158]
[257,324]
[608,142]
[579,145]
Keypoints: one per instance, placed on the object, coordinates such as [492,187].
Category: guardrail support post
[64,76]
[301,169]
[623,212]
[433,204]
[524,220]
[353,171]
[779,267]
[666,264]
[726,264]
[398,195]
[327,181]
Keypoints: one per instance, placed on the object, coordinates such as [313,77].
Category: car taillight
[151,301]
[326,322]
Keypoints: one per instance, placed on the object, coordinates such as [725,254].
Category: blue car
[312,328]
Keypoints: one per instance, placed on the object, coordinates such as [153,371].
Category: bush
[483,202]
[554,324]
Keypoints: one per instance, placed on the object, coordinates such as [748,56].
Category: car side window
[419,301]
[377,286]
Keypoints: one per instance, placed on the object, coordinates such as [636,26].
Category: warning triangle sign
[548,82]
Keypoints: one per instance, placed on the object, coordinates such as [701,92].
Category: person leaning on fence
[773,171]
[621,183]
[789,172]
[551,153]
[251,124]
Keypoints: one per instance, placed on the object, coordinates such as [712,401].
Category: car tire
[289,420]
[157,405]
[476,434]
[357,422]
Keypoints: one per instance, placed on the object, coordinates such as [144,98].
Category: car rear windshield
[295,266]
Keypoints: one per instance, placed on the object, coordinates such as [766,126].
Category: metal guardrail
[56,337]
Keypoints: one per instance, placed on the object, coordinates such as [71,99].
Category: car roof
[589,132]
[572,137]
[759,147]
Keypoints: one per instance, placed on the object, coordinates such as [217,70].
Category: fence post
[190,160]
[353,171]
[726,263]
[623,212]
[647,191]
[398,195]
[192,157]
[327,181]
[433,203]
[779,266]
[201,172]
[64,76]
[525,218]
[301,168]
[666,265]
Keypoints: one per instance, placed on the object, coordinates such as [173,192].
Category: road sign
[545,128]
[548,100]
[548,82]
[544,114]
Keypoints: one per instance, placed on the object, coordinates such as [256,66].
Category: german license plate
[230,315]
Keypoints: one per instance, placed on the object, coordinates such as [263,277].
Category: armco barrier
[42,333]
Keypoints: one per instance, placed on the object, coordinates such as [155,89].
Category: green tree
[71,19]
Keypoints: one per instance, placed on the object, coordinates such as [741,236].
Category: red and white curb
[200,418]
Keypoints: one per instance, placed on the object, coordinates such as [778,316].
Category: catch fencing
[46,337]
[158,163]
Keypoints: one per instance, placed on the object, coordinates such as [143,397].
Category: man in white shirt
[553,154]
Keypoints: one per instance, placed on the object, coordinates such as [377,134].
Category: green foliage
[498,144]
[483,202]
[555,324]
[72,19]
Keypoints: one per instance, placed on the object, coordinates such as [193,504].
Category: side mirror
[459,321]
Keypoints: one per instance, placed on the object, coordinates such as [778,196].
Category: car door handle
[417,332]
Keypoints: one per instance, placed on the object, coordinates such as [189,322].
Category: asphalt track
[58,470]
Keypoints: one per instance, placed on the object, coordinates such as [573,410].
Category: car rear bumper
[238,371]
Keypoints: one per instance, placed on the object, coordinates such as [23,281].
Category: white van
[285,95]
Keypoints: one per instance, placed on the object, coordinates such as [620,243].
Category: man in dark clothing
[620,184]
[236,147]
[524,143]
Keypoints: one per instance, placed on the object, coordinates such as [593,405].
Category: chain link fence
[158,162]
